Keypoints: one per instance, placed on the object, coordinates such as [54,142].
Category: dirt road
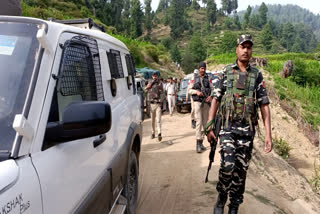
[172,174]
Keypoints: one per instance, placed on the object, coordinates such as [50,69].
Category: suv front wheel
[131,187]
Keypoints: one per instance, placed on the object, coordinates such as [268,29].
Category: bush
[281,147]
[152,51]
[136,53]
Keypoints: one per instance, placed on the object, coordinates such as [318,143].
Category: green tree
[187,63]
[126,17]
[246,18]
[197,49]
[204,2]
[234,5]
[254,21]
[175,54]
[177,18]
[228,42]
[287,36]
[266,37]
[236,22]
[163,5]
[148,18]
[227,6]
[211,12]
[195,5]
[263,14]
[136,19]
[116,11]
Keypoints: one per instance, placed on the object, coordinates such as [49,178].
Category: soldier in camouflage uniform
[155,96]
[238,92]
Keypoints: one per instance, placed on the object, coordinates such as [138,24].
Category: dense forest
[290,13]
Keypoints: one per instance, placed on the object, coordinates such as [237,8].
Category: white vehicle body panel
[58,179]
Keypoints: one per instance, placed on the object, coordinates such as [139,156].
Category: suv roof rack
[87,23]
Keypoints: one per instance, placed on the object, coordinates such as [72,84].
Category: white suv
[70,120]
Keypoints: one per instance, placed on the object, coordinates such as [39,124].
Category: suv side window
[79,77]
[131,70]
[115,64]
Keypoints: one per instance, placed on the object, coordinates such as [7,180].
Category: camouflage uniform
[156,97]
[237,131]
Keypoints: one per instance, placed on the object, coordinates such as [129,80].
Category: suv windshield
[184,84]
[18,53]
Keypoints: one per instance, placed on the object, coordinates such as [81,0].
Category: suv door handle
[100,140]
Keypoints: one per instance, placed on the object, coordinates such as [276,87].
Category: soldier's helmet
[245,38]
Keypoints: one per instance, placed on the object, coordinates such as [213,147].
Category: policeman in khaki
[200,88]
[193,118]
[238,93]
[171,94]
[155,96]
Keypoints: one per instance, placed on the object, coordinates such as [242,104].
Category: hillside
[290,13]
[145,53]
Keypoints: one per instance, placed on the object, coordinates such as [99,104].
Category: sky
[312,5]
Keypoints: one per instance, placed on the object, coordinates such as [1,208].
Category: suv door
[74,175]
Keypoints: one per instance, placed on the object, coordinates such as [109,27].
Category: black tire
[179,109]
[131,186]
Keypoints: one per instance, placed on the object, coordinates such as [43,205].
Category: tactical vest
[155,92]
[239,102]
[206,90]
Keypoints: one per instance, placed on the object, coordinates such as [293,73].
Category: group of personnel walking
[234,95]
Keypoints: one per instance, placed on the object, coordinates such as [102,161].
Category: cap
[154,73]
[202,65]
[244,38]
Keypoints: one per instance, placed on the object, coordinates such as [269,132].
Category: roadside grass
[307,93]
[281,147]
[315,180]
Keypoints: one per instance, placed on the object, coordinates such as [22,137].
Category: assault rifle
[216,126]
[205,96]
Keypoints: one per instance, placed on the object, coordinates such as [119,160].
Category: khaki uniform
[156,96]
[155,110]
[201,113]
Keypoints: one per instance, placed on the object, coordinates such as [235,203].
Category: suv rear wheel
[131,187]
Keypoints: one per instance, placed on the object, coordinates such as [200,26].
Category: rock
[256,61]
[287,69]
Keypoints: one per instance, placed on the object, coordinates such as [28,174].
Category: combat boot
[198,147]
[219,206]
[233,208]
[203,148]
[159,137]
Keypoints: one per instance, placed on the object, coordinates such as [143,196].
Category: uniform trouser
[235,151]
[201,114]
[171,102]
[192,109]
[155,110]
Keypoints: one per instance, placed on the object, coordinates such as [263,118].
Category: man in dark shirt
[238,92]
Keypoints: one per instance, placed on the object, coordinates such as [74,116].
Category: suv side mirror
[80,120]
